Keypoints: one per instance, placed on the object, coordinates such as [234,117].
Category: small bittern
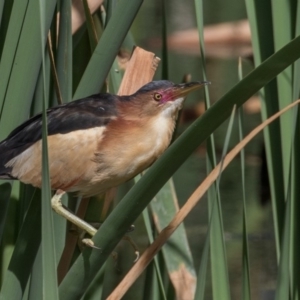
[95,143]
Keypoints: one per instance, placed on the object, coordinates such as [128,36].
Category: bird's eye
[157,96]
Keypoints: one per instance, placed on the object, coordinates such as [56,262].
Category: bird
[95,143]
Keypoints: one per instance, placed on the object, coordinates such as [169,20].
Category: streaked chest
[154,141]
[135,146]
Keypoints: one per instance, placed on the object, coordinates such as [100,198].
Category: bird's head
[161,97]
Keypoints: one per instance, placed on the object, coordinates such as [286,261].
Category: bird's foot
[89,243]
[131,228]
[133,245]
[82,241]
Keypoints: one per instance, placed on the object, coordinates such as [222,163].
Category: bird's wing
[94,111]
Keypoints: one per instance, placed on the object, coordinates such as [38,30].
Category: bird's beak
[183,89]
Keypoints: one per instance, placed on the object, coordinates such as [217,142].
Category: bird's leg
[61,210]
[86,227]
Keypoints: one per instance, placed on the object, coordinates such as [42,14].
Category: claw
[133,245]
[131,228]
[137,256]
[90,243]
